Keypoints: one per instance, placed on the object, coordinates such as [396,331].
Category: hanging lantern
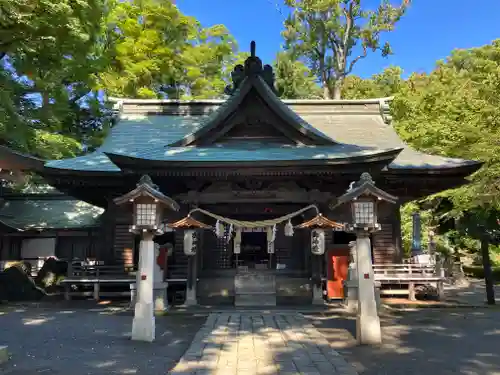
[318,241]
[190,242]
[237,241]
[289,229]
[271,236]
[270,247]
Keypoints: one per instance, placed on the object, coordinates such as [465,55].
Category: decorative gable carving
[255,121]
[254,112]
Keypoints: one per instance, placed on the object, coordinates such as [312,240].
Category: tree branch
[349,17]
[354,61]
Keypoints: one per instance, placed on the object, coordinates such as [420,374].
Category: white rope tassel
[229,233]
[219,229]
[237,235]
[269,234]
[289,229]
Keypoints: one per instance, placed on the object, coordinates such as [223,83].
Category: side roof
[37,212]
[146,124]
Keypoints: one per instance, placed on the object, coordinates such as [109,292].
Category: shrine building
[249,157]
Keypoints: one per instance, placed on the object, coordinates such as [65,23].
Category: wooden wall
[124,240]
[386,243]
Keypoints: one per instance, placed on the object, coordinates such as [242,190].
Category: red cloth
[162,257]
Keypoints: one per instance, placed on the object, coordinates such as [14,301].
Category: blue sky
[429,31]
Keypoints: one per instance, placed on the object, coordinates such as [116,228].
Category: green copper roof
[144,134]
[30,213]
[94,162]
[255,151]
[132,133]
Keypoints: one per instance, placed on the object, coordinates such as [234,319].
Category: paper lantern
[190,242]
[318,241]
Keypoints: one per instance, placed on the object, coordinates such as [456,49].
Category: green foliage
[158,52]
[49,59]
[453,111]
[331,36]
[58,58]
[294,79]
[381,85]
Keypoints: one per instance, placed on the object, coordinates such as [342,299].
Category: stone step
[254,283]
[255,299]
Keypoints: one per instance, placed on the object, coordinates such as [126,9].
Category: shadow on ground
[439,341]
[79,341]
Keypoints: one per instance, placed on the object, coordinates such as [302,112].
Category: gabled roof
[216,121]
[320,221]
[146,188]
[253,77]
[188,222]
[365,186]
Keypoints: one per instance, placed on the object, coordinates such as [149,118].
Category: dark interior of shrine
[254,250]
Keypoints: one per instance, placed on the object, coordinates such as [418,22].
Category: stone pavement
[260,344]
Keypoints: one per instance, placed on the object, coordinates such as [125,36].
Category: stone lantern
[148,206]
[364,196]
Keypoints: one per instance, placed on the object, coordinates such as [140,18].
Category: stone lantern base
[159,296]
[351,293]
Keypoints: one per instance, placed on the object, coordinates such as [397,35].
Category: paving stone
[261,344]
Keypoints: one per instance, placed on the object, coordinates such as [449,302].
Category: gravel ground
[79,341]
[441,342]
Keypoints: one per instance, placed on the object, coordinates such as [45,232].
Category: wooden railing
[85,274]
[384,271]
[392,276]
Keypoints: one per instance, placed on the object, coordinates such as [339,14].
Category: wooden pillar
[316,279]
[107,234]
[396,233]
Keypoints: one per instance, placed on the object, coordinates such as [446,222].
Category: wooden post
[96,284]
[488,276]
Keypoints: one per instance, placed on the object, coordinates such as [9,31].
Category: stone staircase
[255,288]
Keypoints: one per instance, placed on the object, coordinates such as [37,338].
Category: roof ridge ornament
[146,180]
[251,68]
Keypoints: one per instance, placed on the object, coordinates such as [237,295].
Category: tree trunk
[326,91]
[337,88]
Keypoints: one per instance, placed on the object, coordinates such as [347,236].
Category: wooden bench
[96,274]
[409,275]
